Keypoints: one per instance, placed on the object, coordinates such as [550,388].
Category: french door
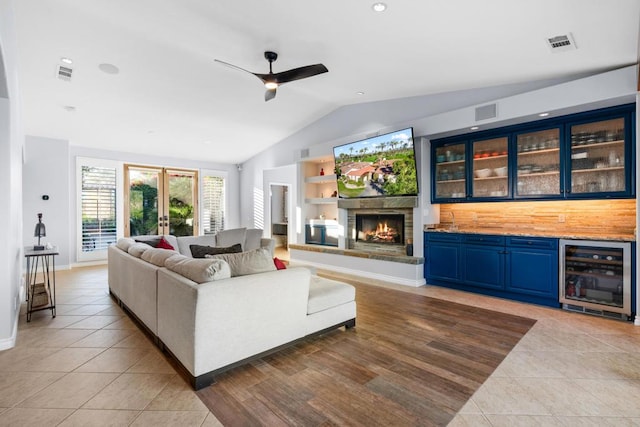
[160,201]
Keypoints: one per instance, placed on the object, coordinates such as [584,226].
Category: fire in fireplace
[380,228]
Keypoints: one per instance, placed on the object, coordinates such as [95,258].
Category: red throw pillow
[279,264]
[163,244]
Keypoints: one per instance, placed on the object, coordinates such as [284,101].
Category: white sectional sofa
[211,322]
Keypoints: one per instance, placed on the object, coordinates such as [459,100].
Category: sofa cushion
[244,263]
[231,237]
[252,239]
[198,270]
[327,293]
[184,242]
[137,249]
[199,251]
[124,243]
[157,256]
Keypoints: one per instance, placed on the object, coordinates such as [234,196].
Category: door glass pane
[490,168]
[143,201]
[450,172]
[538,163]
[181,186]
[597,157]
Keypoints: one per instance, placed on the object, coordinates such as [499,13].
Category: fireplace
[380,229]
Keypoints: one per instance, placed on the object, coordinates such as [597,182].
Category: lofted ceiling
[170,98]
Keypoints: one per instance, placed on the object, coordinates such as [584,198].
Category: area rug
[410,360]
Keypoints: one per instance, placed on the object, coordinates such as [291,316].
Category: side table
[41,295]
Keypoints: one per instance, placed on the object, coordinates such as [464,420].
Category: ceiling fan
[273,80]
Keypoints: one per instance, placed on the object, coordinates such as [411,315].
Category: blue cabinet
[518,268]
[483,261]
[317,234]
[582,156]
[444,252]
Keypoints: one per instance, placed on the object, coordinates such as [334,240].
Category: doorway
[160,201]
[279,210]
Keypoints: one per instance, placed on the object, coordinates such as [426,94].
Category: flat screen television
[380,166]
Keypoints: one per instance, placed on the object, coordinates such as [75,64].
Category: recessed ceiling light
[474,127]
[379,7]
[543,114]
[359,93]
[66,60]
[69,108]
[109,68]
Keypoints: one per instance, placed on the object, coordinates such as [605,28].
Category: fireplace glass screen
[380,229]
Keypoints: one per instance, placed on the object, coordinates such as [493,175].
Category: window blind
[212,204]
[98,200]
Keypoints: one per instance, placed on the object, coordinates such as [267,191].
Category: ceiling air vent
[561,43]
[486,112]
[304,153]
[64,73]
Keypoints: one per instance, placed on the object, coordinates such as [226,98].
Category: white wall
[46,171]
[11,140]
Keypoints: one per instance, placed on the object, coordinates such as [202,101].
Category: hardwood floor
[411,360]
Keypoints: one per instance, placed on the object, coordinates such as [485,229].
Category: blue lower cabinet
[483,266]
[517,268]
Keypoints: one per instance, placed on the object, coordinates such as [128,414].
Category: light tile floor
[92,366]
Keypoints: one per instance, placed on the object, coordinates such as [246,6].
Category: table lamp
[39,232]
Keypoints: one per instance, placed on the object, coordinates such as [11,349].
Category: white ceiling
[170,97]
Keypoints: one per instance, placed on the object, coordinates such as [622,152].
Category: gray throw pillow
[151,241]
[231,237]
[199,251]
[198,270]
[244,263]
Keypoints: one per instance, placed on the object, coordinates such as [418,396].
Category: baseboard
[88,263]
[10,342]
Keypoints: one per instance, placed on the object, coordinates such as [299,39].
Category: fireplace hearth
[380,229]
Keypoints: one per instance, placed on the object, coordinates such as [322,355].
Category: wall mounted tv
[380,166]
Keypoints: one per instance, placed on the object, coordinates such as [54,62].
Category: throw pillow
[163,244]
[244,263]
[279,264]
[198,270]
[231,237]
[199,251]
[151,241]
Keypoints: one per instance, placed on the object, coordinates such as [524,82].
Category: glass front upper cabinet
[598,157]
[450,172]
[538,164]
[490,168]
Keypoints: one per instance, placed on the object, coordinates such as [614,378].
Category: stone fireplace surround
[374,206]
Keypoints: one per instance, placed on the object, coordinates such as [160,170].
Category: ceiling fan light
[271,85]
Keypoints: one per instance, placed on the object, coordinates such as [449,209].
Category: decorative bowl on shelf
[483,173]
[502,171]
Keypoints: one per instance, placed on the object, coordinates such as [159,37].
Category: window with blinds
[212,204]
[98,207]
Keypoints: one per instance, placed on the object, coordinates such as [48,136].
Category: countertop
[541,233]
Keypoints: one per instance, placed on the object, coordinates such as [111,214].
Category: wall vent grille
[486,112]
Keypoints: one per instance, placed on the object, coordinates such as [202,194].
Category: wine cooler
[595,277]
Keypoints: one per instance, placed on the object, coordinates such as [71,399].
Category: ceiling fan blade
[238,68]
[269,94]
[294,74]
